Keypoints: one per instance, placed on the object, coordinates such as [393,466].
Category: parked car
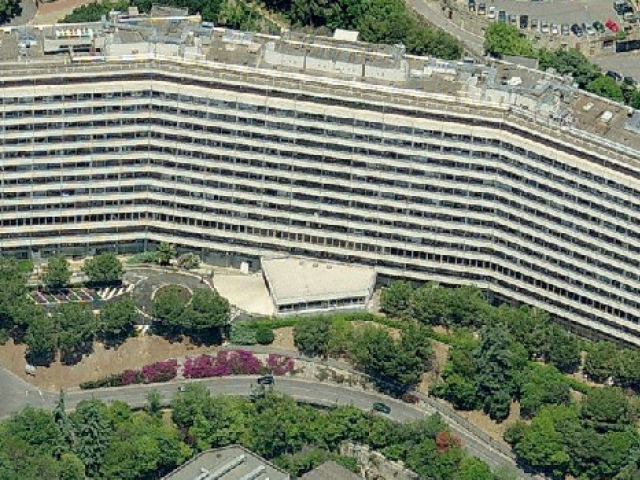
[622,6]
[382,407]
[577,31]
[612,25]
[482,9]
[588,29]
[524,21]
[513,19]
[598,26]
[615,75]
[555,29]
[492,13]
[631,82]
[502,16]
[534,24]
[566,29]
[472,5]
[544,26]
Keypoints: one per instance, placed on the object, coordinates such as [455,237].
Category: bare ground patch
[284,339]
[493,429]
[134,353]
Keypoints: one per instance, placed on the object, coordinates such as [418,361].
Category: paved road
[15,393]
[302,390]
[433,13]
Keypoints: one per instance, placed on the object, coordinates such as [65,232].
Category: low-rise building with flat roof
[228,463]
[301,285]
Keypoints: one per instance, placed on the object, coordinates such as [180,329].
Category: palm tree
[166,252]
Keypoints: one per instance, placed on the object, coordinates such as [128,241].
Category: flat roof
[294,280]
[227,463]
[330,470]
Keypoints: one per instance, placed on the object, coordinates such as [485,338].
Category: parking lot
[549,13]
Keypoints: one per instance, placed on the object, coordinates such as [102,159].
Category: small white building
[302,285]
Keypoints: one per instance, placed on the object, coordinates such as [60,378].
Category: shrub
[279,365]
[243,334]
[264,335]
[144,257]
[188,261]
[160,371]
[235,362]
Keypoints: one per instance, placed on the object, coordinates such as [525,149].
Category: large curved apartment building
[116,134]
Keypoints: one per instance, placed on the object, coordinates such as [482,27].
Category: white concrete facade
[241,161]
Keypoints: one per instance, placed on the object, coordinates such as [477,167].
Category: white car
[555,30]
[491,15]
[589,29]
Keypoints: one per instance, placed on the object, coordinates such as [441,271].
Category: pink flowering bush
[279,365]
[236,362]
[160,371]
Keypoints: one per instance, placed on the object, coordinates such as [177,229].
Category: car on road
[566,29]
[381,407]
[544,27]
[502,16]
[577,31]
[555,29]
[598,26]
[612,25]
[266,380]
[492,13]
[524,21]
[614,75]
[482,9]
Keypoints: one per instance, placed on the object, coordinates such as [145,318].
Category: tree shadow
[75,355]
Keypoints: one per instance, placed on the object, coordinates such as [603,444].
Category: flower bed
[155,373]
[235,362]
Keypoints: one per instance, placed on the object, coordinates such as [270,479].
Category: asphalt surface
[13,399]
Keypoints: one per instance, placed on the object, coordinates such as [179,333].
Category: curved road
[302,390]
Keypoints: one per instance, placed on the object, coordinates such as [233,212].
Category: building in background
[121,134]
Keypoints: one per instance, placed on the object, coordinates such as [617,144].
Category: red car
[613,26]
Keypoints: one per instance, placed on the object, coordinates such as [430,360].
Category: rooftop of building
[294,280]
[228,463]
[342,61]
[330,470]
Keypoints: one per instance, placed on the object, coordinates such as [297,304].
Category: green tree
[341,335]
[606,87]
[205,316]
[103,269]
[8,10]
[542,385]
[41,339]
[602,362]
[36,428]
[472,468]
[166,252]
[168,307]
[57,274]
[77,328]
[430,304]
[563,350]
[117,321]
[154,403]
[569,62]
[71,467]
[187,405]
[497,361]
[92,434]
[606,409]
[311,336]
[542,447]
[504,39]
[395,299]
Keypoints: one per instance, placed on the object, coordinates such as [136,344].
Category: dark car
[630,81]
[472,5]
[482,9]
[524,21]
[577,31]
[266,380]
[598,26]
[502,16]
[615,75]
[382,407]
